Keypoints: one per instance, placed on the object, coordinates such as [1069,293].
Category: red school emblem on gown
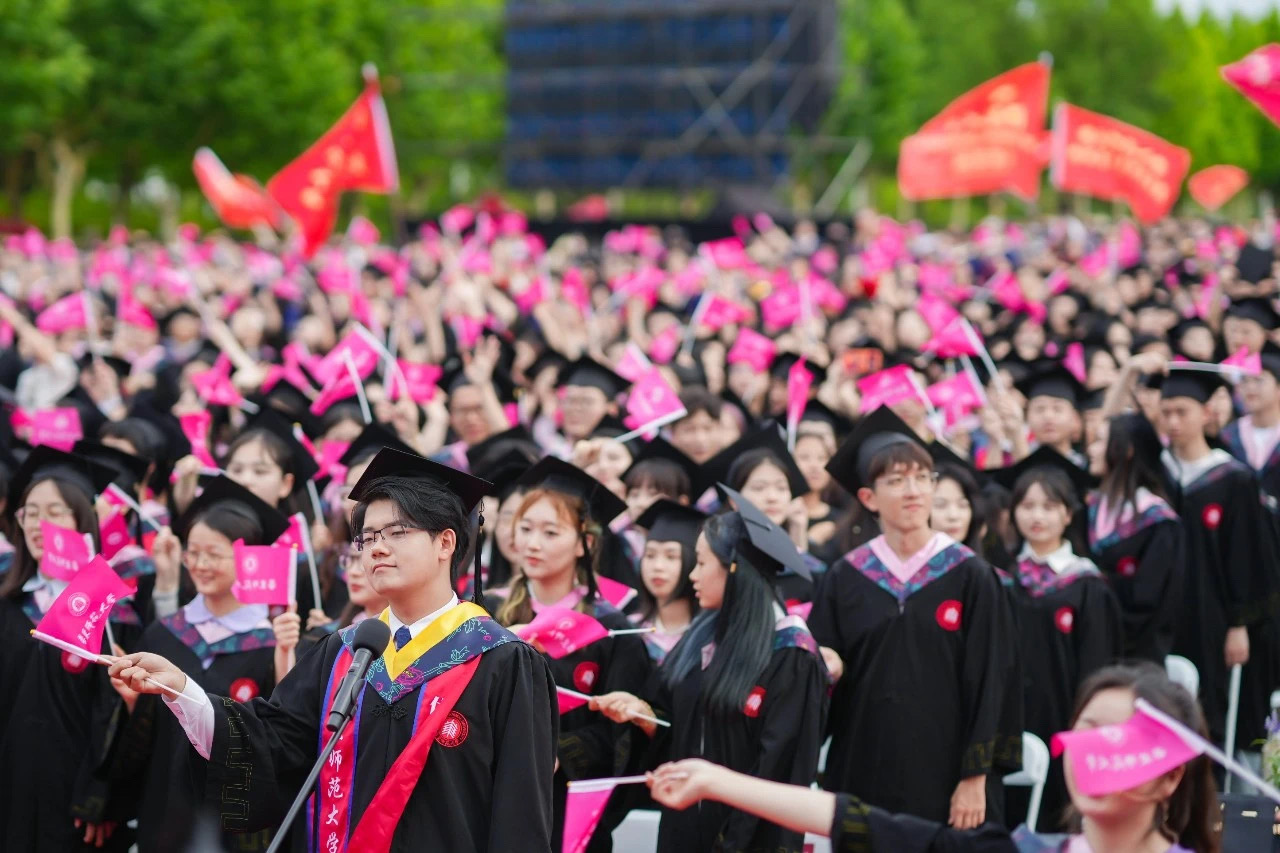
[585,676]
[755,700]
[454,730]
[244,689]
[74,664]
[1212,516]
[1127,567]
[948,615]
[1065,619]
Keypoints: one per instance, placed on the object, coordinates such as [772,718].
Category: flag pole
[656,423]
[359,383]
[311,561]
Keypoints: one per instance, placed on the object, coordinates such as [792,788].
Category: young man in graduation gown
[452,745]
[1254,438]
[1229,607]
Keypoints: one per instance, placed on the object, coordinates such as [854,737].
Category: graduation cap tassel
[477,585]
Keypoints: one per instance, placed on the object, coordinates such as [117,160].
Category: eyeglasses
[922,481]
[209,558]
[392,535]
[55,513]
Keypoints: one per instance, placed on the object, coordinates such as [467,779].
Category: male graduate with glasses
[452,745]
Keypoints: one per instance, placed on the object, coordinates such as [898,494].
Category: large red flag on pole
[356,154]
[1103,157]
[239,200]
[988,140]
[1214,186]
[1257,77]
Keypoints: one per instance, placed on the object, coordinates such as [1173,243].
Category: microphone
[370,641]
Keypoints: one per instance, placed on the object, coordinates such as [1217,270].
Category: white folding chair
[638,833]
[1035,770]
[1184,672]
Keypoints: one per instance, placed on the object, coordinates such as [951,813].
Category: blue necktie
[402,637]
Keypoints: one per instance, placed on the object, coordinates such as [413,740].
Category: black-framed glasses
[392,535]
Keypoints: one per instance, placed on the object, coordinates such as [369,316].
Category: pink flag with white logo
[561,631]
[727,254]
[68,313]
[1108,759]
[633,364]
[652,402]
[1250,364]
[265,574]
[956,393]
[339,387]
[363,354]
[59,428]
[66,552]
[752,348]
[953,341]
[115,535]
[886,387]
[936,311]
[782,308]
[77,618]
[582,811]
[420,380]
[721,312]
[293,537]
[215,387]
[799,381]
[195,425]
[665,344]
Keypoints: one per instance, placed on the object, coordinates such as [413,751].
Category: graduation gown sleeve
[983,671]
[860,828]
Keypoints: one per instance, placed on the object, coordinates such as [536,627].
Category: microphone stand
[310,783]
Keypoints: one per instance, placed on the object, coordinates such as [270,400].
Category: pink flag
[457,219]
[1074,361]
[568,701]
[131,310]
[66,552]
[1257,77]
[363,231]
[886,387]
[953,341]
[582,811]
[752,348]
[652,400]
[467,329]
[58,428]
[1108,759]
[573,289]
[561,631]
[78,616]
[1250,364]
[420,381]
[956,393]
[799,381]
[727,254]
[800,608]
[616,593]
[340,387]
[328,460]
[665,344]
[216,388]
[295,535]
[937,312]
[68,313]
[634,363]
[721,312]
[363,354]
[533,294]
[195,425]
[781,308]
[265,574]
[115,535]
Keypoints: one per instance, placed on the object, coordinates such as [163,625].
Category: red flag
[58,428]
[752,348]
[652,402]
[986,141]
[265,574]
[562,631]
[68,313]
[1114,758]
[1103,157]
[239,201]
[1257,77]
[78,616]
[1213,187]
[356,154]
[65,552]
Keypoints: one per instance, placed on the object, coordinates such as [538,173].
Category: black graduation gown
[861,828]
[64,718]
[1269,475]
[1143,559]
[490,790]
[776,736]
[1069,625]
[157,776]
[921,702]
[1231,580]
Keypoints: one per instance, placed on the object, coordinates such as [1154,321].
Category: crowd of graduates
[923,492]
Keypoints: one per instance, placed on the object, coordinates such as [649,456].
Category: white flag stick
[359,383]
[601,784]
[105,660]
[620,633]
[311,561]
[133,505]
[576,695]
[656,423]
[1233,714]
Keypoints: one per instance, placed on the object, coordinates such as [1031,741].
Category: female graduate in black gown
[925,636]
[1135,536]
[557,527]
[746,686]
[226,647]
[1068,619]
[1176,812]
[59,712]
[667,600]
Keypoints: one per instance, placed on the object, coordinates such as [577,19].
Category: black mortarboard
[783,363]
[455,376]
[1051,379]
[91,417]
[223,489]
[610,426]
[289,400]
[180,311]
[1199,385]
[767,546]
[556,474]
[395,463]
[129,469]
[1260,311]
[1254,263]
[117,364]
[660,448]
[668,521]
[517,438]
[880,429]
[816,410]
[765,437]
[303,463]
[1046,457]
[44,462]
[371,439]
[591,373]
[732,399]
[1270,357]
[1093,400]
[546,359]
[943,455]
[503,470]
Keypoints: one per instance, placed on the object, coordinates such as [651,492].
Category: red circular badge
[1212,516]
[586,675]
[1065,619]
[1127,567]
[454,730]
[948,614]
[243,689]
[74,663]
[755,700]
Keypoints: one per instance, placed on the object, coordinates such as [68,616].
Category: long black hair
[977,503]
[746,464]
[742,628]
[1058,488]
[81,505]
[1132,458]
[649,605]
